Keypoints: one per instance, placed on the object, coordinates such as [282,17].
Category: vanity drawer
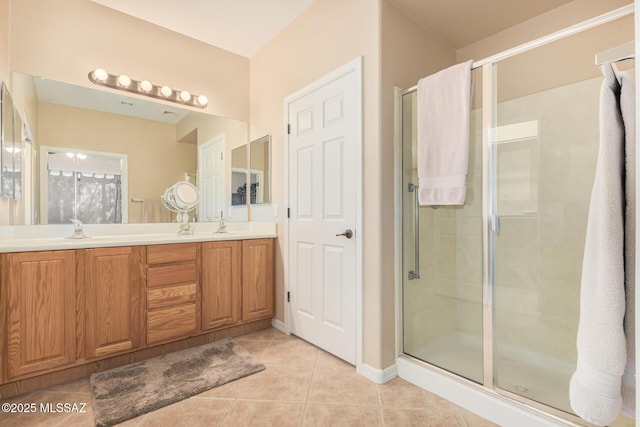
[170,296]
[171,274]
[164,254]
[171,323]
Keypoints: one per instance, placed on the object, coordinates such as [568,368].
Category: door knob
[348,234]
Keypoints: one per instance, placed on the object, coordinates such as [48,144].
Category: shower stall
[490,291]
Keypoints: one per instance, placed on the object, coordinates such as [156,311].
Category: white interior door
[211,178]
[322,190]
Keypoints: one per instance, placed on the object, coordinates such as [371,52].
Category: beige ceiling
[244,26]
[460,23]
[239,26]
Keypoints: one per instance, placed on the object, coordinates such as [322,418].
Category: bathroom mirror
[160,141]
[7,145]
[239,176]
[18,149]
[260,167]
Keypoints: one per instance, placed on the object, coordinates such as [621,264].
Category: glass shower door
[442,288]
[545,158]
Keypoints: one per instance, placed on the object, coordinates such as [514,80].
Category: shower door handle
[415,274]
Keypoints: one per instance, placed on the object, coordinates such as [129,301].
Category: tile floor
[302,386]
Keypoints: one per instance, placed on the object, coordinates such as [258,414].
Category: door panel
[114,292]
[42,283]
[322,194]
[221,283]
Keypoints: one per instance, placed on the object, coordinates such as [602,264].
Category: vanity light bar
[144,87]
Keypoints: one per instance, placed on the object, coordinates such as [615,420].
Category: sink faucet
[222,227]
[77,230]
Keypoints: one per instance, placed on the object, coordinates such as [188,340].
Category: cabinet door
[221,283]
[114,292]
[40,290]
[257,279]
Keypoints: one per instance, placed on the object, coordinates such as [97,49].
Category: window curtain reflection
[90,198]
[7,180]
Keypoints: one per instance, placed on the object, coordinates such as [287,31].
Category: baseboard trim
[279,325]
[378,376]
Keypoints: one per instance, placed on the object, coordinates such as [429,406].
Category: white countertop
[31,238]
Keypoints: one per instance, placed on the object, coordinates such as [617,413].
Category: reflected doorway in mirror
[210,179]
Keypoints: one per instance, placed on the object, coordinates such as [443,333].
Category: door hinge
[221,155]
[288,129]
[288,296]
[288,212]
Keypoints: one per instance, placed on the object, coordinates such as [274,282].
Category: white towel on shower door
[444,107]
[628,109]
[595,387]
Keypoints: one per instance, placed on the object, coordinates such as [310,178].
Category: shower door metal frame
[489,208]
[490,218]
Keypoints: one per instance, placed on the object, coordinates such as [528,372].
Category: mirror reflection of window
[18,147]
[7,170]
[239,176]
[85,186]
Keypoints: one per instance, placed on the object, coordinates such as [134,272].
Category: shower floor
[530,374]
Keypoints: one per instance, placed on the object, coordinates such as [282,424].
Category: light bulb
[100,75]
[166,91]
[203,100]
[81,156]
[70,155]
[185,96]
[146,85]
[124,80]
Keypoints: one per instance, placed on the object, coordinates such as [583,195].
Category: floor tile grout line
[226,415]
[306,399]
[60,423]
[355,405]
[461,419]
[381,423]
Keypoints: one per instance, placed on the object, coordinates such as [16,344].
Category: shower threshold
[529,374]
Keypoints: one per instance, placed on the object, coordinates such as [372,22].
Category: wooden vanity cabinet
[38,291]
[64,308]
[221,283]
[113,293]
[172,292]
[257,279]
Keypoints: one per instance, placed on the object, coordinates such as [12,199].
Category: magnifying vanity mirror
[156,145]
[181,198]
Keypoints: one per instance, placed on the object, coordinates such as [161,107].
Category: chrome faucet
[222,227]
[77,230]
